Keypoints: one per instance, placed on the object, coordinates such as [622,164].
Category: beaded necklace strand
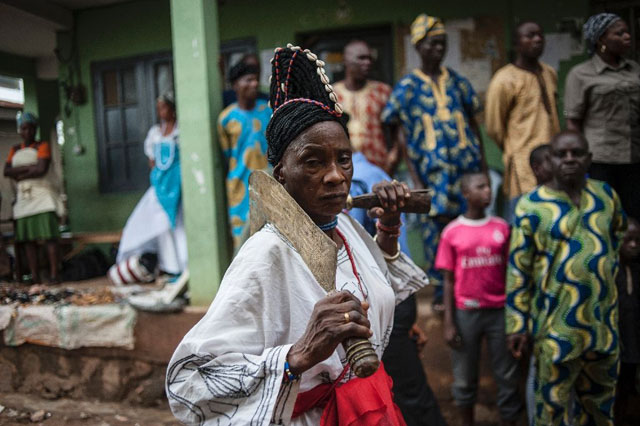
[329,226]
[353,263]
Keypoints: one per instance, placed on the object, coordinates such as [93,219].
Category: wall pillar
[196,43]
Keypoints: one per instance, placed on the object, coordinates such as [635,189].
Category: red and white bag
[135,269]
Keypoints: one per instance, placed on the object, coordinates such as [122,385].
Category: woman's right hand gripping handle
[334,319]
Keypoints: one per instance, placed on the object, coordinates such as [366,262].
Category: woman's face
[27,132]
[246,87]
[316,170]
[165,111]
[617,38]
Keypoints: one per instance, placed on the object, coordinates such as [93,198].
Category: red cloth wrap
[358,402]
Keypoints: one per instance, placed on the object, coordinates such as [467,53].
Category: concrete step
[106,374]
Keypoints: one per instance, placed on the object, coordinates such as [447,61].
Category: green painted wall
[143,26]
[278,21]
[104,33]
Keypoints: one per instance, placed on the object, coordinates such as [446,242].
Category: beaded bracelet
[288,374]
[387,257]
[393,231]
[394,234]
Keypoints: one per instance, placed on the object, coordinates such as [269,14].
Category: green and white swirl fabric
[561,274]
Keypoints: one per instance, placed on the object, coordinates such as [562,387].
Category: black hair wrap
[241,69]
[302,81]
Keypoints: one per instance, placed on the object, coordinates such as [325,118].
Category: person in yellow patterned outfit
[241,131]
[561,287]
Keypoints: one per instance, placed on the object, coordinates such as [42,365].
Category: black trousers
[410,388]
[624,178]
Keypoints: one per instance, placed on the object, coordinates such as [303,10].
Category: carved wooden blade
[271,203]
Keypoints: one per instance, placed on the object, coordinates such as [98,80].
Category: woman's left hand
[392,196]
[419,336]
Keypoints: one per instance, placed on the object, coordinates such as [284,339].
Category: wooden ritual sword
[271,203]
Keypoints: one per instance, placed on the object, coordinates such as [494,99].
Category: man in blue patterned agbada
[431,112]
[561,289]
[241,131]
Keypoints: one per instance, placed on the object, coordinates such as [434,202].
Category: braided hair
[241,69]
[300,95]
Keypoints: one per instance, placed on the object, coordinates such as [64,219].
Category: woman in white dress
[269,350]
[156,224]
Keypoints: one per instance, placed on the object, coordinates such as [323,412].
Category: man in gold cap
[431,115]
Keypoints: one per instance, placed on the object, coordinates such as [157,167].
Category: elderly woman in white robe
[269,350]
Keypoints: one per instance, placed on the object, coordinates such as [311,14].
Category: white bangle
[387,257]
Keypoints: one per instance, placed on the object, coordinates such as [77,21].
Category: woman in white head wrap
[38,205]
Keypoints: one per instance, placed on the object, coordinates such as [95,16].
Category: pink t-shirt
[477,252]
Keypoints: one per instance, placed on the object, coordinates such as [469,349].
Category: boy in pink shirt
[472,255]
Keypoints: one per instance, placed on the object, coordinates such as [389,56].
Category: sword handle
[419,202]
[361,356]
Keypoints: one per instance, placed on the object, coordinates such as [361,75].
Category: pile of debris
[44,295]
[25,416]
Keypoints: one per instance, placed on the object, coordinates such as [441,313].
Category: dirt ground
[437,365]
[27,409]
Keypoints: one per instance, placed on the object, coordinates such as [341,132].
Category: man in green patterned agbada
[561,289]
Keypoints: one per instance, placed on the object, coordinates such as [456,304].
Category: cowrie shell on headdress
[324,78]
[289,45]
[282,86]
[338,108]
[328,88]
[319,71]
[333,97]
[320,63]
[296,48]
[312,56]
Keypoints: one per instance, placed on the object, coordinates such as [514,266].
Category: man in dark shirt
[628,282]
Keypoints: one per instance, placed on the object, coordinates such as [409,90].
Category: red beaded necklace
[353,263]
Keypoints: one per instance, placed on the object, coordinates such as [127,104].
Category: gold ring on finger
[347,318]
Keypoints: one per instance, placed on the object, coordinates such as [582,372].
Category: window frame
[146,88]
